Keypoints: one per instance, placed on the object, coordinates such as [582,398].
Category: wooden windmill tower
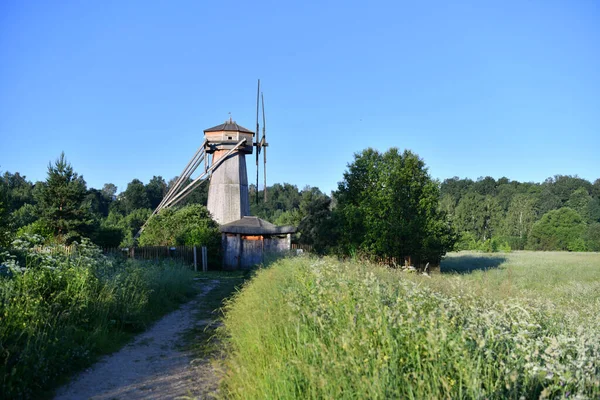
[223,153]
[245,239]
[228,198]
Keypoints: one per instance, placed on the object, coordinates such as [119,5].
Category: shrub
[58,311]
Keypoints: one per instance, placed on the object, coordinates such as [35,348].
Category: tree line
[561,213]
[386,205]
[63,209]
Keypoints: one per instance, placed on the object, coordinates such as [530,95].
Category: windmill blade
[256,137]
[263,143]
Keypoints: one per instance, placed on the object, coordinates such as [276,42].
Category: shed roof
[229,126]
[249,225]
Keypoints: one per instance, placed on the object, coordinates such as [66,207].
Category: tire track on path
[153,365]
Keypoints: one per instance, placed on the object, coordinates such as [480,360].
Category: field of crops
[516,325]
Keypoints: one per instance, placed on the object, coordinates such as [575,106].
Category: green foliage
[318,226]
[318,328]
[59,311]
[187,226]
[592,237]
[135,197]
[156,190]
[36,228]
[478,214]
[97,203]
[25,215]
[17,191]
[519,219]
[61,202]
[581,201]
[198,196]
[387,205]
[507,211]
[107,236]
[557,230]
[109,191]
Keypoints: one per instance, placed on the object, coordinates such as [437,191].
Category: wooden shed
[248,240]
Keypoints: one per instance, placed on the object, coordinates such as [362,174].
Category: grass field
[515,325]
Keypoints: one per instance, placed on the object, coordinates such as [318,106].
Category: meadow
[511,325]
[59,311]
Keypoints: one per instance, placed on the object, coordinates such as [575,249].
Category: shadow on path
[467,263]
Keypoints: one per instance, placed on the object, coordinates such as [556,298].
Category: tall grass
[319,328]
[59,311]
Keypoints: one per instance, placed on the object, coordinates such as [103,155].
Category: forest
[561,213]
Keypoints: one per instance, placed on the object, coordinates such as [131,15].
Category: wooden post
[195,260]
[204,259]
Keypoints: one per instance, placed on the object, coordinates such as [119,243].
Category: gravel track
[152,366]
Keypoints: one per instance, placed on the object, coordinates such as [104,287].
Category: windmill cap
[229,125]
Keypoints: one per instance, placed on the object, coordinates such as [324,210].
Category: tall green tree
[19,191]
[109,191]
[479,215]
[592,237]
[388,207]
[61,202]
[560,229]
[135,197]
[156,190]
[520,217]
[581,201]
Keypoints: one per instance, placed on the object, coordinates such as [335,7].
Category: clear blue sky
[125,88]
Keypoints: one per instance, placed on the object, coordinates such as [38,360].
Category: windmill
[223,153]
[262,144]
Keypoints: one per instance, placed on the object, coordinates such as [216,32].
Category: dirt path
[153,365]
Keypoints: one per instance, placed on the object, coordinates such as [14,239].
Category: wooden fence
[188,255]
[183,254]
[307,248]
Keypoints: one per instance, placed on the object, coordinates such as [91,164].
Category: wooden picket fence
[307,248]
[179,254]
[55,249]
[182,254]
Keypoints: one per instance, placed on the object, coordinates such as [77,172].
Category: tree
[485,186]
[135,196]
[109,191]
[560,229]
[60,201]
[132,223]
[198,196]
[18,191]
[592,237]
[156,190]
[97,203]
[190,225]
[317,225]
[520,217]
[388,207]
[581,201]
[563,185]
[480,215]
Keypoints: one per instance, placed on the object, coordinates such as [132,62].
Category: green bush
[58,311]
[557,230]
[187,226]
